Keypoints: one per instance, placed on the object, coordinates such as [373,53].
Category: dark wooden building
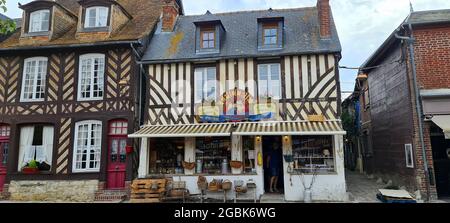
[395,149]
[68,97]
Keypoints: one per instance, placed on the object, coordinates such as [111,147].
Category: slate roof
[432,16]
[422,18]
[145,13]
[301,36]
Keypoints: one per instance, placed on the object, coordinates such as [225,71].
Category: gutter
[141,70]
[213,58]
[410,40]
[138,42]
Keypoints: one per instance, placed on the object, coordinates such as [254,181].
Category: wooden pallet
[142,191]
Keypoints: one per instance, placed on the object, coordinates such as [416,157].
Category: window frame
[204,74]
[30,22]
[97,9]
[92,56]
[269,76]
[366,98]
[122,127]
[409,151]
[90,124]
[34,85]
[270,26]
[207,30]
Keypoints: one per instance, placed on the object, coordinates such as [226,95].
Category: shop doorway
[273,163]
[117,156]
[4,148]
[441,159]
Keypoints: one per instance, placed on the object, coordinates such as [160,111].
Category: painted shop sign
[236,106]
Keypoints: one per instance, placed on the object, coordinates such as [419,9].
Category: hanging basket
[188,165]
[289,158]
[236,164]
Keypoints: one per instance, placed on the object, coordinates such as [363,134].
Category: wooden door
[117,156]
[4,149]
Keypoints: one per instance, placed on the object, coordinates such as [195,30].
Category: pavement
[361,188]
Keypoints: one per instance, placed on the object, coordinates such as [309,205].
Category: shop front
[303,152]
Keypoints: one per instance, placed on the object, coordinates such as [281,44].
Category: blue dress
[274,163]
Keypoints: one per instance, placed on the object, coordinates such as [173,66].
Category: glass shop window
[248,146]
[312,154]
[213,155]
[167,156]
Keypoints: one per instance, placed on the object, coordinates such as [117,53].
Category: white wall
[326,187]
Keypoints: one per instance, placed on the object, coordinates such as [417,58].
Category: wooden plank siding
[309,86]
[60,107]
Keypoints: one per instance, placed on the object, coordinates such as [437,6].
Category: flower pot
[129,149]
[29,170]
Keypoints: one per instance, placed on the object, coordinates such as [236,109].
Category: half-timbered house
[223,90]
[68,97]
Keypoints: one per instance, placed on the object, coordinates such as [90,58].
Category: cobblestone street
[361,188]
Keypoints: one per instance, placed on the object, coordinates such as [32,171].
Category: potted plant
[31,167]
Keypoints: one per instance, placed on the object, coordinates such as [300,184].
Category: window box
[30,170]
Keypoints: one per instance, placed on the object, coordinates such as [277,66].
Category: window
[118,128]
[39,21]
[4,148]
[208,38]
[91,82]
[96,17]
[312,154]
[269,81]
[34,76]
[88,144]
[36,143]
[409,156]
[205,84]
[248,145]
[366,99]
[270,34]
[167,156]
[213,155]
[5,131]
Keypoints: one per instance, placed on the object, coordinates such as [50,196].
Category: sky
[363,25]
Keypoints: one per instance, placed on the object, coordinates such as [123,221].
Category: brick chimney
[324,9]
[171,11]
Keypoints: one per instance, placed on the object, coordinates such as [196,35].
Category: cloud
[363,25]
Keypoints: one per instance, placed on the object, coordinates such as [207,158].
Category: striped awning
[290,128]
[190,130]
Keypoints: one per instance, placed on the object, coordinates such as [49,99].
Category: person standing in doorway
[273,165]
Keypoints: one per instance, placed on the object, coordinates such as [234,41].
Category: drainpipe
[139,97]
[410,40]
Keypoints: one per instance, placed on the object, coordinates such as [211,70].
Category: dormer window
[39,21]
[96,17]
[270,34]
[208,37]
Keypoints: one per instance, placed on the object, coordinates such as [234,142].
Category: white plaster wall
[326,187]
